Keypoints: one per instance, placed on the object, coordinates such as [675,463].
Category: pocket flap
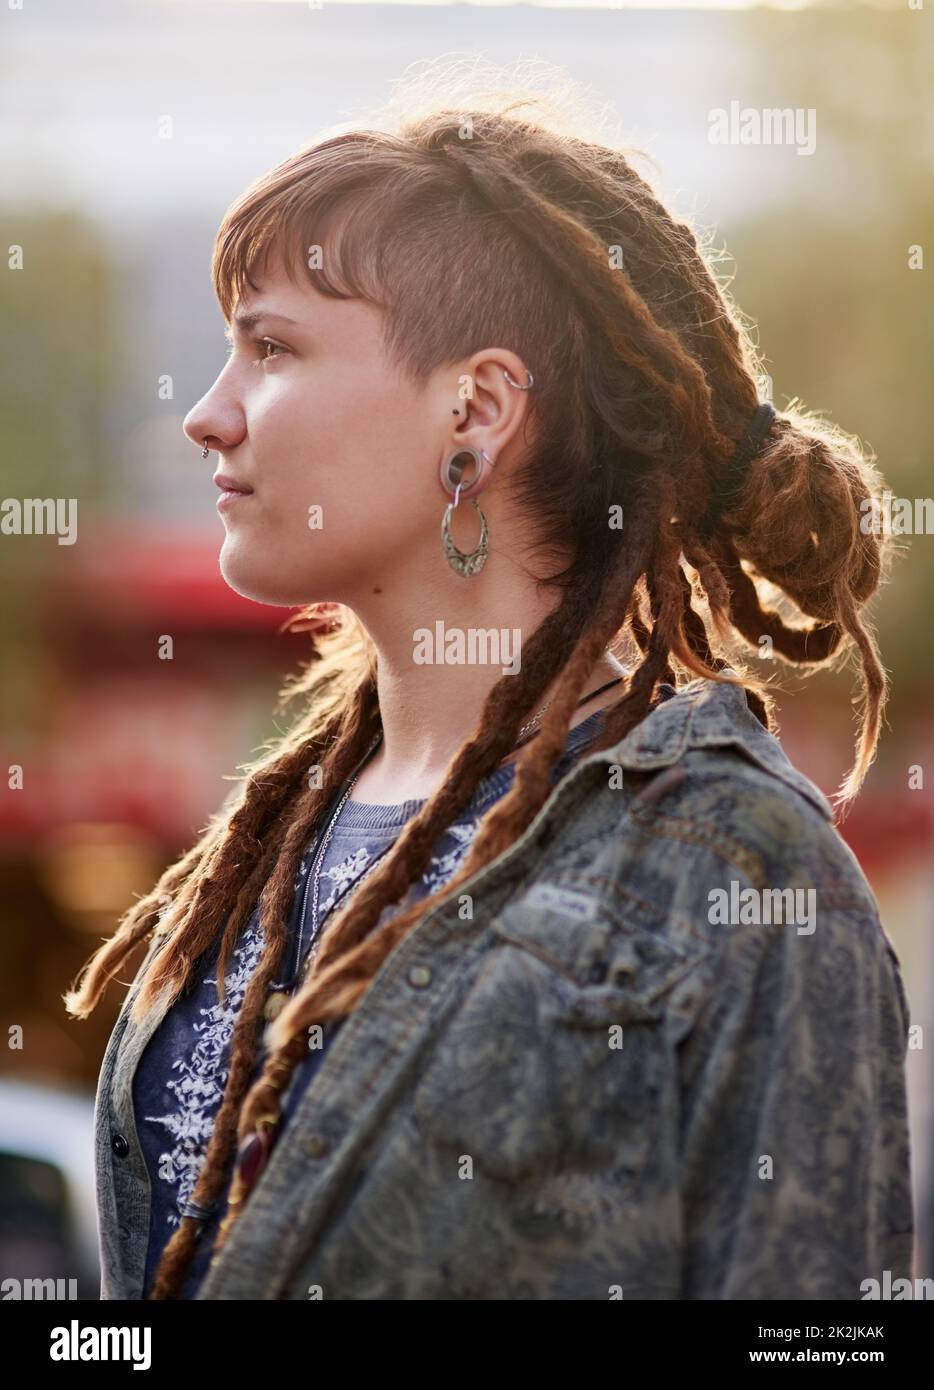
[587,935]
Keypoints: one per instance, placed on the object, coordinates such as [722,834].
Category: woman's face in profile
[340,449]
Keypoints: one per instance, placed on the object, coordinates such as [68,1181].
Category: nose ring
[204,451]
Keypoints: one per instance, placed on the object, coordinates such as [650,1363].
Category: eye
[262,344]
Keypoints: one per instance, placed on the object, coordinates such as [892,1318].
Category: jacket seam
[663,828]
[690,832]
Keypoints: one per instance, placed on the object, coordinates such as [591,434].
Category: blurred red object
[126,574]
[161,680]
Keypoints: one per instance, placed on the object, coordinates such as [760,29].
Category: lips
[228,484]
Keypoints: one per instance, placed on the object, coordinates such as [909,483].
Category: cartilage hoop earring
[529,384]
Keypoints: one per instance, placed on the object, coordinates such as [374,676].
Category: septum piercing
[205,451]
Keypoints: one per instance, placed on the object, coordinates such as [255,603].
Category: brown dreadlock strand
[696,632]
[274,907]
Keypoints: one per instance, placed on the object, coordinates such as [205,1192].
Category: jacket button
[120,1146]
[419,976]
[314,1146]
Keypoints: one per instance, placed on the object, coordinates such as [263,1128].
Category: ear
[494,411]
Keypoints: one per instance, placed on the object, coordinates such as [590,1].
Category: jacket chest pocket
[556,1057]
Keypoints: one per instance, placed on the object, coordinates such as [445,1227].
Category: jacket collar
[707,714]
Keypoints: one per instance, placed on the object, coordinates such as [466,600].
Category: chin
[253,582]
[248,583]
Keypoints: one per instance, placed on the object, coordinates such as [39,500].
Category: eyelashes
[261,344]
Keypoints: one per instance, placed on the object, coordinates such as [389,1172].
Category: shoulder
[720,845]
[730,812]
[702,772]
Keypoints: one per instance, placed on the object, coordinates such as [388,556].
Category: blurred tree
[62,368]
[843,321]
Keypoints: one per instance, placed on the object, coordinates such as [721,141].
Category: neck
[428,711]
[434,675]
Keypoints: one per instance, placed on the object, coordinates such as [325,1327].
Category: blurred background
[125,131]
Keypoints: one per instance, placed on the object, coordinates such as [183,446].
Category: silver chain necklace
[279,998]
[314,873]
[535,719]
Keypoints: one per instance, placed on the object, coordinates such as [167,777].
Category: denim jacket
[654,1050]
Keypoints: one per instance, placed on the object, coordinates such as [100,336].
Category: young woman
[444,1004]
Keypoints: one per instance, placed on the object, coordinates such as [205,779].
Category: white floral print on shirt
[441,868]
[202,1076]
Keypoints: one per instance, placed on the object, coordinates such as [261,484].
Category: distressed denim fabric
[596,1070]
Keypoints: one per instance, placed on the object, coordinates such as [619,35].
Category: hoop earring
[471,562]
[527,387]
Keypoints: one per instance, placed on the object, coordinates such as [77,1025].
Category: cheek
[285,421]
[315,427]
[355,444]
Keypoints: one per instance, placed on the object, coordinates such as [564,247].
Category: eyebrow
[247,322]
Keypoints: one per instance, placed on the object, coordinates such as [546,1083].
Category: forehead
[279,293]
[282,306]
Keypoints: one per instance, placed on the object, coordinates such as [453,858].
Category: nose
[216,422]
